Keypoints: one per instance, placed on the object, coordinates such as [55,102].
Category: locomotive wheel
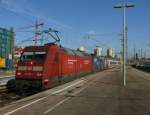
[11,85]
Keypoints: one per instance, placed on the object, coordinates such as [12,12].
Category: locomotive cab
[29,71]
[36,65]
[31,65]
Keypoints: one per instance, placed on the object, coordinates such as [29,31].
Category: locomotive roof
[45,48]
[35,48]
[74,52]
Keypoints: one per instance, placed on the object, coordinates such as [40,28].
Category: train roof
[35,48]
[46,47]
[38,48]
[74,52]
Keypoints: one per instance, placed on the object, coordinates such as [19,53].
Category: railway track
[7,97]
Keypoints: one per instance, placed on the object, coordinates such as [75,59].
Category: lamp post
[124,6]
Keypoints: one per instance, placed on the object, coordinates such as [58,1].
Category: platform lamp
[124,6]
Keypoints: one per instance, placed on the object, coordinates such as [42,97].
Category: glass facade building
[6,43]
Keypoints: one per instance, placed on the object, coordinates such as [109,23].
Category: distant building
[111,52]
[6,43]
[98,51]
[17,51]
[17,54]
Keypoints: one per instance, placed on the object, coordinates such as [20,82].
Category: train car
[96,64]
[105,63]
[2,63]
[6,63]
[113,63]
[43,67]
[99,63]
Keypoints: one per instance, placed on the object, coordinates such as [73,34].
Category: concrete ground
[98,94]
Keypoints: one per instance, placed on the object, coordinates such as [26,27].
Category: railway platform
[5,76]
[6,73]
[102,93]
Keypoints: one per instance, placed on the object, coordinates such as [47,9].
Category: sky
[87,23]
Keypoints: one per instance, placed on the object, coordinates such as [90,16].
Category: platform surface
[102,93]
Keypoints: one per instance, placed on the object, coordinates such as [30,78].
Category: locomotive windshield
[27,56]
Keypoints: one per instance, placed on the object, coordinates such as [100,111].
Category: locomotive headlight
[39,74]
[37,68]
[18,73]
[46,81]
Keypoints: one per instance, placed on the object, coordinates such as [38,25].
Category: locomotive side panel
[52,67]
[68,68]
[87,63]
[68,65]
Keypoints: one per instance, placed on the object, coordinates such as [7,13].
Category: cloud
[24,8]
[91,33]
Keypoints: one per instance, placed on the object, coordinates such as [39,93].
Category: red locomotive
[42,67]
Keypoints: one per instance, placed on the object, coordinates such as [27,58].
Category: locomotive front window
[27,56]
[39,55]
